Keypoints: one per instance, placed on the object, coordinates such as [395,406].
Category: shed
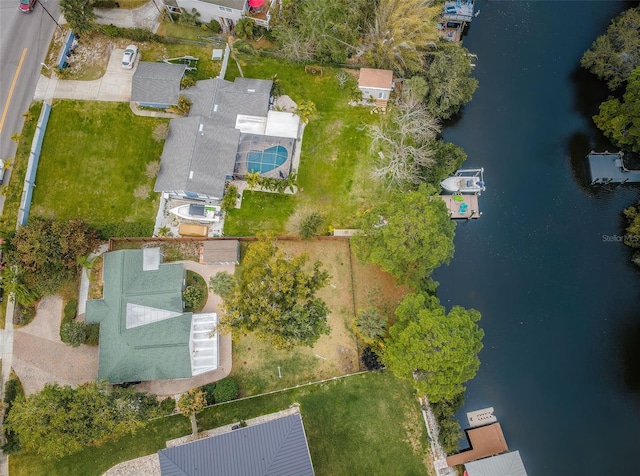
[375,84]
[157,85]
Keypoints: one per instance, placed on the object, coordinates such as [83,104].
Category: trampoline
[266,160]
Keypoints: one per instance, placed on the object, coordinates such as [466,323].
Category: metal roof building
[507,464]
[144,332]
[273,448]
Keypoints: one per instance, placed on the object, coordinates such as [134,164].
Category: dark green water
[560,303]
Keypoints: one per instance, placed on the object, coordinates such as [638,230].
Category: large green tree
[619,120]
[614,55]
[437,351]
[275,297]
[59,421]
[449,82]
[46,252]
[189,404]
[408,235]
[79,15]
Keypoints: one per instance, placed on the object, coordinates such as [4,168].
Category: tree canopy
[79,15]
[42,255]
[275,296]
[614,55]
[438,352]
[59,421]
[449,82]
[408,235]
[402,144]
[619,120]
[189,404]
[399,34]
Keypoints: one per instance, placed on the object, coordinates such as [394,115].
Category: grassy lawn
[335,164]
[260,212]
[366,424]
[94,163]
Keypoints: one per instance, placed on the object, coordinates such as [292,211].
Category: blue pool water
[266,160]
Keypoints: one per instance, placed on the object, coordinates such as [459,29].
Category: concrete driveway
[115,85]
[40,357]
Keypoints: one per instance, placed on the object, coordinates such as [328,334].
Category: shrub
[371,325]
[225,390]
[222,283]
[70,311]
[134,34]
[168,406]
[193,297]
[214,26]
[370,359]
[230,198]
[187,81]
[104,3]
[209,393]
[13,390]
[160,133]
[73,333]
[311,225]
[93,334]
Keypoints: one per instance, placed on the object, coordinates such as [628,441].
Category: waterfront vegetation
[364,424]
[368,423]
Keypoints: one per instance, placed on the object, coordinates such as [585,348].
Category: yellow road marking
[13,85]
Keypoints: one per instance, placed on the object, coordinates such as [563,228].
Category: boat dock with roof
[608,168]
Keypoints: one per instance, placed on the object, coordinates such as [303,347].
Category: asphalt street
[24,39]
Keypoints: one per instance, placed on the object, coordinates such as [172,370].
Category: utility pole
[54,20]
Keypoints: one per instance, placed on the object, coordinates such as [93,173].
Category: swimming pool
[266,160]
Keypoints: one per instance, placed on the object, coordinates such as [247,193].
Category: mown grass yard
[334,175]
[364,424]
[94,165]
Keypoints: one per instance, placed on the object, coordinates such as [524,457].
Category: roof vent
[190,174]
[215,108]
[251,90]
[201,128]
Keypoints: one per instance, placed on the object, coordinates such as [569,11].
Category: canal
[557,291]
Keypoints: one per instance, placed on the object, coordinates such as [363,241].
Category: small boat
[202,213]
[465,181]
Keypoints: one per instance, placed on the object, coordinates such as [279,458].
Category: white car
[129,57]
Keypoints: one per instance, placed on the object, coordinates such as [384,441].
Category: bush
[370,359]
[196,293]
[214,26]
[225,390]
[70,311]
[222,283]
[193,297]
[104,4]
[311,225]
[93,334]
[13,390]
[73,333]
[209,393]
[168,406]
[134,34]
[230,198]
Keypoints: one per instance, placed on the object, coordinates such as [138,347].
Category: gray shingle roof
[274,448]
[198,155]
[157,83]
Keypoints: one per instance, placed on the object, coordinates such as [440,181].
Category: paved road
[24,40]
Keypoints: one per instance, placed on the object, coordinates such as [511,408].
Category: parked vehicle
[26,6]
[129,57]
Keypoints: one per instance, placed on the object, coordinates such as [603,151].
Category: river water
[558,294]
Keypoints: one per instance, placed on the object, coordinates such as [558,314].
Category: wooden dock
[462,206]
[608,167]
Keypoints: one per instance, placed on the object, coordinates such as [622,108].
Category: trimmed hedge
[226,390]
[134,34]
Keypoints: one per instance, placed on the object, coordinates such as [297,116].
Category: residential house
[230,131]
[157,84]
[228,12]
[145,334]
[376,85]
[276,447]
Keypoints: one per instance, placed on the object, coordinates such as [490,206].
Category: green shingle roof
[152,351]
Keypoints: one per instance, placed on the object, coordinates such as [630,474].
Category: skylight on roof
[138,315]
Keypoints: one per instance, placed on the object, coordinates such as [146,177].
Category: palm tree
[399,35]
